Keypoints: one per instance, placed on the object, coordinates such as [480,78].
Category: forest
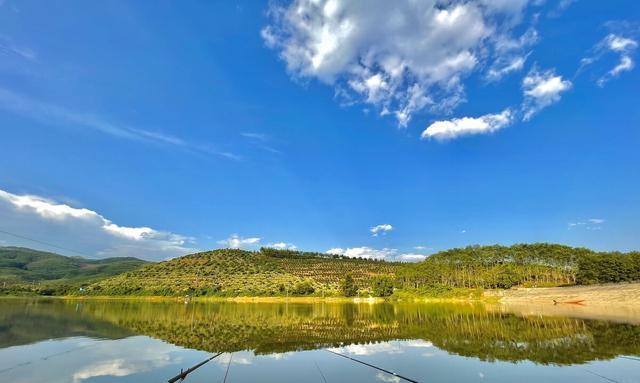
[283,273]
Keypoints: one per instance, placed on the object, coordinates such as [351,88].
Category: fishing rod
[183,374]
[372,366]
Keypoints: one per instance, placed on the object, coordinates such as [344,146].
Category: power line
[46,243]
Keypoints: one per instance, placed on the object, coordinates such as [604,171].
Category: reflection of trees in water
[266,328]
[461,329]
[29,321]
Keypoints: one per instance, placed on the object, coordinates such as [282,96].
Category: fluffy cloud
[85,230]
[378,229]
[541,89]
[624,47]
[449,129]
[402,56]
[283,246]
[411,257]
[370,253]
[236,242]
[363,252]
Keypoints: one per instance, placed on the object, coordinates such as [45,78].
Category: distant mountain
[22,265]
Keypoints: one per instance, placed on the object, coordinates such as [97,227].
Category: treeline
[608,268]
[529,265]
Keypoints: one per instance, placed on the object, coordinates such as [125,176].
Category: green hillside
[229,272]
[20,266]
[271,272]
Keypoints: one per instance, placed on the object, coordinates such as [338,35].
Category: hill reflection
[468,330]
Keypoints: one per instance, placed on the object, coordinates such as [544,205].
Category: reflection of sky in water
[143,359]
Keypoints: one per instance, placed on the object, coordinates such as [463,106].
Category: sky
[365,128]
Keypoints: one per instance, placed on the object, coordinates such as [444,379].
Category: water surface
[133,341]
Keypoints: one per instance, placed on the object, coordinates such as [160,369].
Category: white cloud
[590,224]
[511,54]
[403,57]
[363,252]
[513,64]
[411,257]
[387,378]
[51,114]
[236,242]
[541,89]
[85,230]
[371,253]
[282,246]
[623,46]
[371,348]
[457,127]
[381,229]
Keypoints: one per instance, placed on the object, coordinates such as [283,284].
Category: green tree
[382,286]
[303,288]
[348,286]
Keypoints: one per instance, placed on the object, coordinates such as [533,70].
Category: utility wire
[372,366]
[46,243]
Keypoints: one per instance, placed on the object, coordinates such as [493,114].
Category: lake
[52,340]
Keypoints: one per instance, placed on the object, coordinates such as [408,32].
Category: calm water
[98,341]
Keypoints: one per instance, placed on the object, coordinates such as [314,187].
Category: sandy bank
[617,302]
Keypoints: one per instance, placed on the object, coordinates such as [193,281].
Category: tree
[348,286]
[303,288]
[382,286]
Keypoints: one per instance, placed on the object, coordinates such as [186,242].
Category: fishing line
[47,357]
[631,358]
[601,376]
[228,366]
[320,371]
[376,367]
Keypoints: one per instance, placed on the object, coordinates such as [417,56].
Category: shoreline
[607,295]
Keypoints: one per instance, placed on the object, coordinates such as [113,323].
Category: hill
[230,272]
[270,272]
[19,266]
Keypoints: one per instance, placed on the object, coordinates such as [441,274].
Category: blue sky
[159,128]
